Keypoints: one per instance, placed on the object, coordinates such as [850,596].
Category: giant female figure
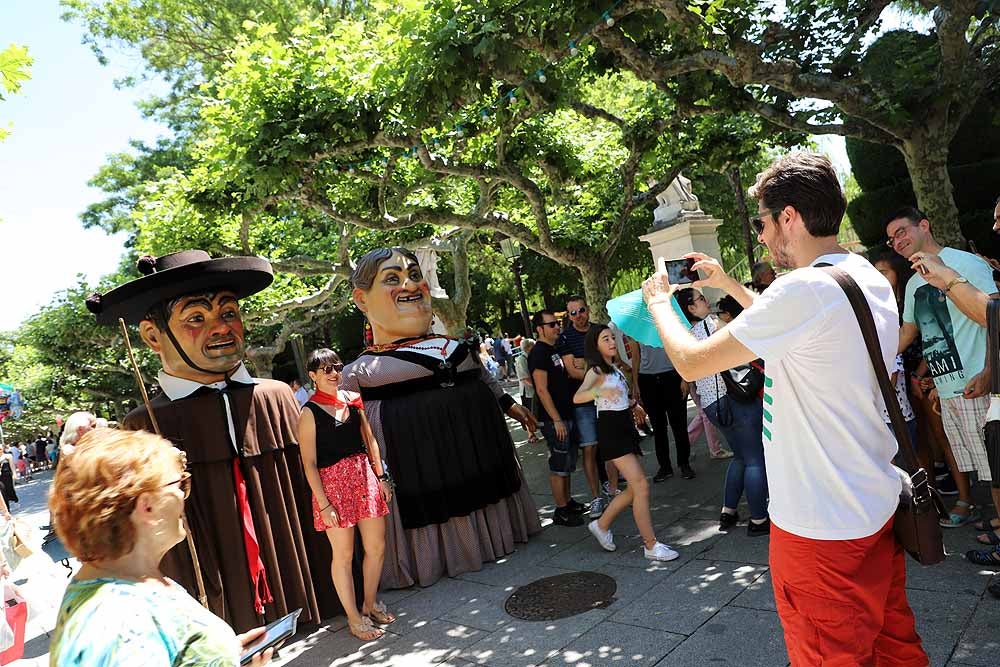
[438,417]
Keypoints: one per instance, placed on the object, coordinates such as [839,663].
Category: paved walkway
[712,606]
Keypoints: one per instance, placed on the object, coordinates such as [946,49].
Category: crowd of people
[408,445]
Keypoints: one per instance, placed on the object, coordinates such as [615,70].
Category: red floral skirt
[353,489]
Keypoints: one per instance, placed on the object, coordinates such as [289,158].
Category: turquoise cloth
[112,623]
[629,313]
[954,346]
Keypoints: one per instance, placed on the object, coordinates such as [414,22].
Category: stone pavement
[712,606]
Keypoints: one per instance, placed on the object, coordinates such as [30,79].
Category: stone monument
[427,258]
[680,227]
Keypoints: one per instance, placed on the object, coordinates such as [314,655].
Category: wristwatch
[960,279]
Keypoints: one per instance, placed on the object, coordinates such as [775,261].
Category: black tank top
[336,440]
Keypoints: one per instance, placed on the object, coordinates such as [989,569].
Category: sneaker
[574,507]
[597,507]
[662,474]
[686,471]
[563,517]
[724,454]
[660,551]
[945,485]
[757,529]
[727,520]
[606,488]
[604,537]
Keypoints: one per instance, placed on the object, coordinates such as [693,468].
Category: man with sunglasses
[570,347]
[838,573]
[249,513]
[555,403]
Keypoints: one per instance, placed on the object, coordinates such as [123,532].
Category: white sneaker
[604,537]
[597,507]
[660,551]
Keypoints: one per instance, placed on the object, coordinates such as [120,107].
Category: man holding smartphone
[838,574]
[954,346]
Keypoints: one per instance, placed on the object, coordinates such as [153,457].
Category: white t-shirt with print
[827,450]
[712,388]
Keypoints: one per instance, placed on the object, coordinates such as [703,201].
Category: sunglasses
[574,313]
[551,324]
[758,223]
[330,368]
[185,483]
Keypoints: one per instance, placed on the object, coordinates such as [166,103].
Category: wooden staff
[200,581]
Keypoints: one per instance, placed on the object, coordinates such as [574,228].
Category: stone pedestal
[690,232]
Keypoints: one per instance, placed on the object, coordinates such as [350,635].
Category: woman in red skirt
[350,488]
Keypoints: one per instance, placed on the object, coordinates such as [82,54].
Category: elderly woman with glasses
[349,486]
[117,502]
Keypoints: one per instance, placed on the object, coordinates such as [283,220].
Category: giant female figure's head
[390,289]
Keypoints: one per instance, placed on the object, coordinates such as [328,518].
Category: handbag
[920,506]
[16,618]
[744,382]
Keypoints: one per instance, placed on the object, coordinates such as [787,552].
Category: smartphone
[274,634]
[680,271]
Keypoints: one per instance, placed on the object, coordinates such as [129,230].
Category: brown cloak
[296,558]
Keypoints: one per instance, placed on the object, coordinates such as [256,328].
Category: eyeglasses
[574,313]
[330,368]
[898,234]
[185,482]
[550,324]
[758,223]
[701,297]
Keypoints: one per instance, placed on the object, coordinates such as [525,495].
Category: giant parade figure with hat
[249,497]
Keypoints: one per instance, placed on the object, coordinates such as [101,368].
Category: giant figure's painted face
[208,327]
[398,304]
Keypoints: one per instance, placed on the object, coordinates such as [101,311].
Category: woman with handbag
[741,422]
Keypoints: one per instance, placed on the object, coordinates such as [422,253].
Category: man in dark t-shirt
[555,399]
[570,347]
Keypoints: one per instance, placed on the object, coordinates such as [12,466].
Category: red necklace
[412,344]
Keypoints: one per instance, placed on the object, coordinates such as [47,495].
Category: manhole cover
[561,596]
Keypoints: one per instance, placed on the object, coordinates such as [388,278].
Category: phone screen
[274,633]
[679,271]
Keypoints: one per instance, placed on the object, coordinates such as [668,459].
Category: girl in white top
[617,440]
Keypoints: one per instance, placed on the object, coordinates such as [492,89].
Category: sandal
[380,614]
[987,525]
[989,538]
[986,557]
[956,520]
[364,630]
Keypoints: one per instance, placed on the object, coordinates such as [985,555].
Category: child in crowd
[606,385]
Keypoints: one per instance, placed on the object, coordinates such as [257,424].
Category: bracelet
[387,478]
[328,505]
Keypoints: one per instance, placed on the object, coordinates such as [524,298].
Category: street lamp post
[512,252]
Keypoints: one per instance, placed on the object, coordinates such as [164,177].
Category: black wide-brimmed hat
[177,274]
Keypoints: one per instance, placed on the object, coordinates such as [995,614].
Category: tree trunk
[741,209]
[262,359]
[927,161]
[597,289]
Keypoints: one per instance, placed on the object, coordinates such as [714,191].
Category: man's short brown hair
[97,485]
[808,183]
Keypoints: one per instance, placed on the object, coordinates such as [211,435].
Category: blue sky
[66,120]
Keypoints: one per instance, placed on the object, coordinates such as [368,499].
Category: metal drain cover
[561,596]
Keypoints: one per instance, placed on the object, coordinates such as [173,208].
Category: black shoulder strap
[864,314]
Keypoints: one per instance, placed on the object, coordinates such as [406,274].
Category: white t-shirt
[827,450]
